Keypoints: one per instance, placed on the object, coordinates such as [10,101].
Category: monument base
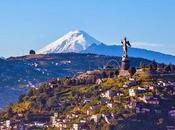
[125,65]
[124,73]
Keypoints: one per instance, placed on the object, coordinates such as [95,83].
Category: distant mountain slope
[115,50]
[74,41]
[80,41]
[18,74]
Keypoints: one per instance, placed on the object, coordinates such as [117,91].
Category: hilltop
[19,74]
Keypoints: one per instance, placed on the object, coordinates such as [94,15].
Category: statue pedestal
[125,65]
[124,73]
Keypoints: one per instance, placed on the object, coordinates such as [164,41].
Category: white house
[108,94]
[75,126]
[132,93]
[172,113]
[110,105]
[95,118]
[8,124]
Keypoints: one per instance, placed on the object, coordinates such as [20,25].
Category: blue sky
[32,24]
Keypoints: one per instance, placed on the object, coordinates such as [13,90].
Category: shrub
[21,107]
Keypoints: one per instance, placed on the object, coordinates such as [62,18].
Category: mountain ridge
[116,50]
[81,42]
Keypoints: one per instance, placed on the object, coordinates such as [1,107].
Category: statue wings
[128,43]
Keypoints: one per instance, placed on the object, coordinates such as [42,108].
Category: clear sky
[32,24]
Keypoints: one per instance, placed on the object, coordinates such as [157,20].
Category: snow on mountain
[74,41]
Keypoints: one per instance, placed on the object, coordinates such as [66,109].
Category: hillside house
[142,109]
[80,126]
[108,94]
[131,105]
[99,81]
[170,127]
[14,125]
[87,100]
[8,124]
[172,113]
[76,126]
[109,119]
[153,101]
[125,86]
[145,98]
[132,92]
[95,118]
[111,105]
[92,109]
[132,82]
[54,119]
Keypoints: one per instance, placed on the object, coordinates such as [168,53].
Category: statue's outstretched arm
[129,44]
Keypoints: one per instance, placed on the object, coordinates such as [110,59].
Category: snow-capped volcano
[74,41]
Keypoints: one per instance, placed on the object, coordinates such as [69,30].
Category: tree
[162,66]
[9,112]
[116,72]
[168,68]
[42,99]
[172,68]
[111,74]
[104,75]
[21,97]
[132,71]
[27,115]
[142,65]
[21,107]
[51,101]
[109,67]
[31,92]
[153,66]
[32,52]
